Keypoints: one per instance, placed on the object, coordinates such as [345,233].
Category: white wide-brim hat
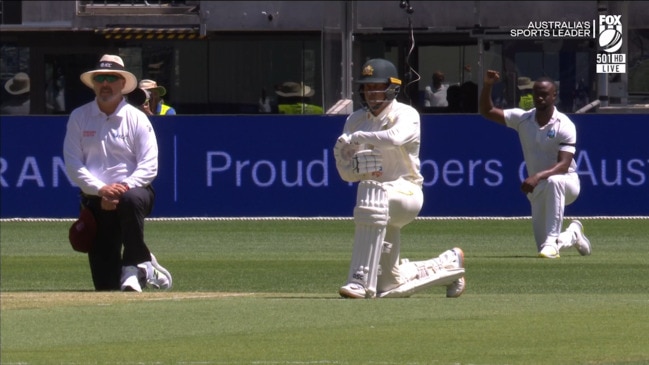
[147,84]
[111,64]
[524,83]
[18,85]
[291,89]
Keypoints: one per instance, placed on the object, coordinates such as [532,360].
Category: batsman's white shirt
[541,145]
[101,149]
[395,132]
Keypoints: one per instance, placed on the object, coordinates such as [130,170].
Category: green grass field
[265,292]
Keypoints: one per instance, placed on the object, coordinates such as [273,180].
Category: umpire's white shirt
[541,145]
[396,133]
[101,149]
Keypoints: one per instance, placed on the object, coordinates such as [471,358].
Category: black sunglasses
[109,78]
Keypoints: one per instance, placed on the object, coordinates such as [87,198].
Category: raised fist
[491,77]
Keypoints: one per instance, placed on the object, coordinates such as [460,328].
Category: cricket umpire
[111,153]
[379,149]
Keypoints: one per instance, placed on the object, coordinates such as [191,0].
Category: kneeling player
[379,148]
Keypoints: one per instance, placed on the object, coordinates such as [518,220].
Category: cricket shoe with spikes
[353,291]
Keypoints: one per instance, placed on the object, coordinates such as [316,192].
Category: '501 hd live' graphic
[610,38]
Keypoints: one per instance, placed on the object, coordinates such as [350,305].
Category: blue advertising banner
[278,166]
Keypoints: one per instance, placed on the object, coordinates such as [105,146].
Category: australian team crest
[368,70]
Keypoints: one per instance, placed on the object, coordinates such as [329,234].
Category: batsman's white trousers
[548,200]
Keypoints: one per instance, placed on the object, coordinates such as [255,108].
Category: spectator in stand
[436,93]
[294,98]
[18,102]
[157,105]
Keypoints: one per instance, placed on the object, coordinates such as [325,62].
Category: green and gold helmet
[379,71]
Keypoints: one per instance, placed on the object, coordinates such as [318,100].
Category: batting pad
[371,218]
[429,275]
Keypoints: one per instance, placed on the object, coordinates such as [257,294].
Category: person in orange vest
[156,103]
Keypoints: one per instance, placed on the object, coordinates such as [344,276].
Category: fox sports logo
[610,33]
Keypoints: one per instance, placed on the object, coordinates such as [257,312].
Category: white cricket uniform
[395,132]
[541,146]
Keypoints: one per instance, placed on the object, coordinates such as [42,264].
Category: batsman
[379,149]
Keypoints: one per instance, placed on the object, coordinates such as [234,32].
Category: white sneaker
[154,275]
[130,279]
[161,278]
[549,251]
[352,291]
[457,287]
[583,244]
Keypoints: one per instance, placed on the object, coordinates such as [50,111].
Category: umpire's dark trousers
[122,226]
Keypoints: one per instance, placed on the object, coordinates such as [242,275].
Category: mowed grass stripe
[265,293]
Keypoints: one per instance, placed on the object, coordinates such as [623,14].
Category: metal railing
[141,7]
[132,2]
[588,107]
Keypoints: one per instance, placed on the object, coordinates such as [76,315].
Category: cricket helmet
[379,71]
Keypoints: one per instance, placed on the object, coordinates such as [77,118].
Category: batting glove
[344,150]
[367,161]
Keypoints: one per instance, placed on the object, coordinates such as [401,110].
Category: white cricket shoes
[549,251]
[456,288]
[353,291]
[130,279]
[146,274]
[581,242]
[160,277]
